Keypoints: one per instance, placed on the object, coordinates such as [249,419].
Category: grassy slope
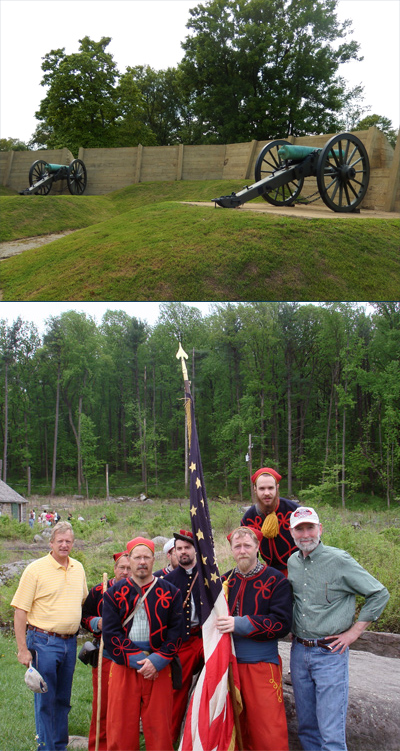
[145,245]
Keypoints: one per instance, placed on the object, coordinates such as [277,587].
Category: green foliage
[11,529]
[381,122]
[12,144]
[265,69]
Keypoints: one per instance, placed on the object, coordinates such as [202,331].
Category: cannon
[341,168]
[42,175]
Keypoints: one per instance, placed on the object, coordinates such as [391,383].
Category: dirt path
[13,247]
[301,212]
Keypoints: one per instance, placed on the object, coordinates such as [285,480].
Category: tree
[80,106]
[381,122]
[13,144]
[259,69]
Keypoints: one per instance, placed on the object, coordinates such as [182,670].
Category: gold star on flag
[204,559]
[192,467]
[198,483]
[199,535]
[201,501]
[193,511]
[206,583]
[214,577]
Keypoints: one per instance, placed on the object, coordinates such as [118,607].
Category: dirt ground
[12,248]
[301,212]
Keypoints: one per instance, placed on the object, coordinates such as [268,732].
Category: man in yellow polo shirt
[49,599]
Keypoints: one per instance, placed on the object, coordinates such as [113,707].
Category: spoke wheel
[38,171]
[343,172]
[77,177]
[268,162]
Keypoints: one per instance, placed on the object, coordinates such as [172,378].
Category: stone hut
[12,503]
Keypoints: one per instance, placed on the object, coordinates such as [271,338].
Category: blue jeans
[321,687]
[55,660]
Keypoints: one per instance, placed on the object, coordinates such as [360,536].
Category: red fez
[257,533]
[116,556]
[140,541]
[184,535]
[266,471]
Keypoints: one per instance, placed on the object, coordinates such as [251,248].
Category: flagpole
[182,356]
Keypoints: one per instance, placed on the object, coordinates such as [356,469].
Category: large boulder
[373,717]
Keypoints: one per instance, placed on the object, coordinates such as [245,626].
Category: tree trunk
[5,422]
[54,467]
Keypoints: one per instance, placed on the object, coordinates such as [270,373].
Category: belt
[315,643]
[50,633]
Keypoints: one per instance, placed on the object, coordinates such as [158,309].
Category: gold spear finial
[182,356]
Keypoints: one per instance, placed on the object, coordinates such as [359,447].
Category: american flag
[210,721]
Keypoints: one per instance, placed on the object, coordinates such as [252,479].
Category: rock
[38,538]
[77,742]
[8,570]
[160,540]
[46,533]
[373,715]
[142,497]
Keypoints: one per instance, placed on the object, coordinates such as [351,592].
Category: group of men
[284,579]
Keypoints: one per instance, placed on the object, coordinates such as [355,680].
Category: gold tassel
[225,587]
[270,527]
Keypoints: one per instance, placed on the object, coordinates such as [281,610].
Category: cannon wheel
[38,171]
[76,177]
[343,172]
[268,162]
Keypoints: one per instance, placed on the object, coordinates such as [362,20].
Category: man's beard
[308,547]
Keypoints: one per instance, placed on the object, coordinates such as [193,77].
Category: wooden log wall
[112,169]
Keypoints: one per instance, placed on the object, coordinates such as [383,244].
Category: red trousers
[263,719]
[191,655]
[105,672]
[130,696]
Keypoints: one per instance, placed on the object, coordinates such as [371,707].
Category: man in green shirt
[325,582]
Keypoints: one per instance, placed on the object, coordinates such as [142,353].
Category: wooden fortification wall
[113,169]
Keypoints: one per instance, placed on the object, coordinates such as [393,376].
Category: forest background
[313,390]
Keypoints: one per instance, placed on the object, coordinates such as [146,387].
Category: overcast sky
[150,32]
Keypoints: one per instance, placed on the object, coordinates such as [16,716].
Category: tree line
[313,390]
[251,69]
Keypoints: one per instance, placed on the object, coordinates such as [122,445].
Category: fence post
[394,178]
[252,151]
[138,163]
[179,166]
[7,171]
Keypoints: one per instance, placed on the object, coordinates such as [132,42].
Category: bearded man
[325,581]
[271,515]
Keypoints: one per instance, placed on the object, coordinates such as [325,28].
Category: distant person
[56,517]
[191,653]
[271,515]
[325,581]
[169,551]
[32,517]
[49,597]
[69,517]
[92,621]
[103,518]
[260,612]
[142,630]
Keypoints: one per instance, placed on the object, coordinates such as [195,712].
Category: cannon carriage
[341,168]
[42,175]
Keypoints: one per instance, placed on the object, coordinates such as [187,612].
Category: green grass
[17,722]
[141,243]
